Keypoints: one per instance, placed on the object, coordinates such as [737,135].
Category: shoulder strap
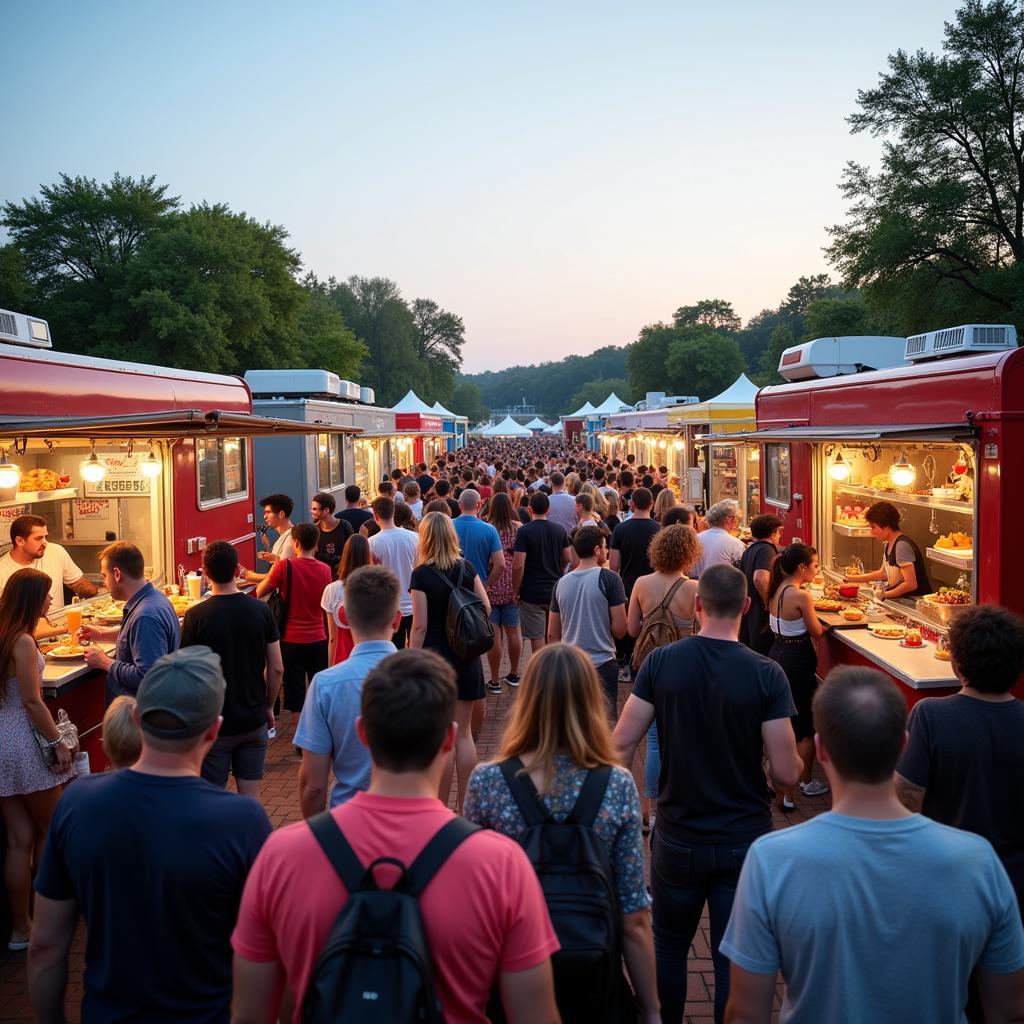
[338,850]
[440,575]
[285,595]
[462,574]
[667,599]
[525,794]
[588,803]
[435,853]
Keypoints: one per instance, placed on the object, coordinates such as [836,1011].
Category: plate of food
[823,605]
[66,652]
[889,632]
[913,639]
[942,653]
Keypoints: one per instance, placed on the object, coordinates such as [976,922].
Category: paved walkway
[280,798]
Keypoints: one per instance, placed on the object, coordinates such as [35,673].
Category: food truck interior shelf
[851,531]
[962,559]
[31,497]
[900,498]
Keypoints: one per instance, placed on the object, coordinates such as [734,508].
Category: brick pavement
[280,798]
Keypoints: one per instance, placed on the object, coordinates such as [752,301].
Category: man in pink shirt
[483,912]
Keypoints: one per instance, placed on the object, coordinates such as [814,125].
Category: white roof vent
[833,357]
[958,341]
[294,383]
[349,389]
[22,329]
[367,395]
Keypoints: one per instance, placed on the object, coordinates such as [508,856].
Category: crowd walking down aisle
[357,794]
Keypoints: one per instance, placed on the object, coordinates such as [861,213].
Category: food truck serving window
[221,470]
[328,461]
[776,475]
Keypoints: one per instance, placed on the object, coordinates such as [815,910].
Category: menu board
[123,478]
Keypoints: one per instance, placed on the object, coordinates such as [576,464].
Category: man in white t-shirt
[32,550]
[277,514]
[395,548]
[718,542]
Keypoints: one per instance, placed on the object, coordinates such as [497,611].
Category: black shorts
[242,756]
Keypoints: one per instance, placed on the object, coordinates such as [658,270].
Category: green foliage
[702,361]
[946,207]
[16,290]
[781,339]
[833,318]
[467,401]
[549,386]
[596,391]
[714,313]
[647,355]
[324,337]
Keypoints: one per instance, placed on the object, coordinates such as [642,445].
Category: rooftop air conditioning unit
[833,357]
[367,396]
[680,400]
[349,390]
[22,329]
[958,341]
[293,383]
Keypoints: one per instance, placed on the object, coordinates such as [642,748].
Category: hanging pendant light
[901,472]
[151,465]
[93,471]
[840,468]
[10,474]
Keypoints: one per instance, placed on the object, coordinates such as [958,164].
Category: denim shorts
[505,615]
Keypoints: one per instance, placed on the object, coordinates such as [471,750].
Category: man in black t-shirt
[352,513]
[628,557]
[717,704]
[425,480]
[756,565]
[242,631]
[540,556]
[964,762]
[442,489]
[333,531]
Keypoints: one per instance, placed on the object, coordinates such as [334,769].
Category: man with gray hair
[479,541]
[191,846]
[719,541]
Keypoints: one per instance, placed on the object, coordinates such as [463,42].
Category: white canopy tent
[555,428]
[441,410]
[742,391]
[584,410]
[507,428]
[536,424]
[611,404]
[413,403]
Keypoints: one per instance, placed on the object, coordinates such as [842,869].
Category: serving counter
[917,668]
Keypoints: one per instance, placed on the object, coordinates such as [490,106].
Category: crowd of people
[382,630]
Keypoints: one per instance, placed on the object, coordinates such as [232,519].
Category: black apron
[920,568]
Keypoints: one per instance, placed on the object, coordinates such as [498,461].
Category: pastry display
[853,614]
[39,480]
[955,541]
[949,595]
[824,605]
[889,632]
[852,515]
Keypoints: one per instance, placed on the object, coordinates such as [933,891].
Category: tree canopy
[944,213]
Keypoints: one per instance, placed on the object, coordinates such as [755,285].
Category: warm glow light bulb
[901,472]
[10,475]
[93,471]
[678,445]
[151,466]
[840,469]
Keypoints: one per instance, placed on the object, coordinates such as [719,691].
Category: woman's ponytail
[787,563]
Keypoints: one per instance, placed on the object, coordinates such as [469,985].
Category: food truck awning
[922,431]
[173,423]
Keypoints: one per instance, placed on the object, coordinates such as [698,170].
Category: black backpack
[468,629]
[572,863]
[375,965]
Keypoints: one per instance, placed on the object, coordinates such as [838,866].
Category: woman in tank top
[795,626]
[672,552]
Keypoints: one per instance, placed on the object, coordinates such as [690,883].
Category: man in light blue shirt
[871,913]
[479,541]
[326,732]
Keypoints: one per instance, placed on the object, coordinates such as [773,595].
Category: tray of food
[824,604]
[182,604]
[944,605]
[955,543]
[888,632]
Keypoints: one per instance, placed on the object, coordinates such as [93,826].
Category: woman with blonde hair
[573,483]
[440,566]
[664,501]
[600,502]
[557,734]
[672,551]
[29,787]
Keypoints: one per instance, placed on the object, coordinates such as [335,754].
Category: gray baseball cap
[188,684]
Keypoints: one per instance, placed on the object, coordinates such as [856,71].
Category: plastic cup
[195,584]
[73,613]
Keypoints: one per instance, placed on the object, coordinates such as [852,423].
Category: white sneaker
[272,734]
[814,788]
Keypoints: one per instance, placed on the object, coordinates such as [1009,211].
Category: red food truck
[108,450]
[930,429]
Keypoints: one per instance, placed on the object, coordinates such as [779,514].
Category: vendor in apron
[903,565]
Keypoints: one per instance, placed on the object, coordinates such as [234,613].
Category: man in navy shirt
[154,859]
[148,630]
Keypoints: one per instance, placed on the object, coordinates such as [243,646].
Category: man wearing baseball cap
[154,858]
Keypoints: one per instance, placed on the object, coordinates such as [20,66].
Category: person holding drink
[277,512]
[29,787]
